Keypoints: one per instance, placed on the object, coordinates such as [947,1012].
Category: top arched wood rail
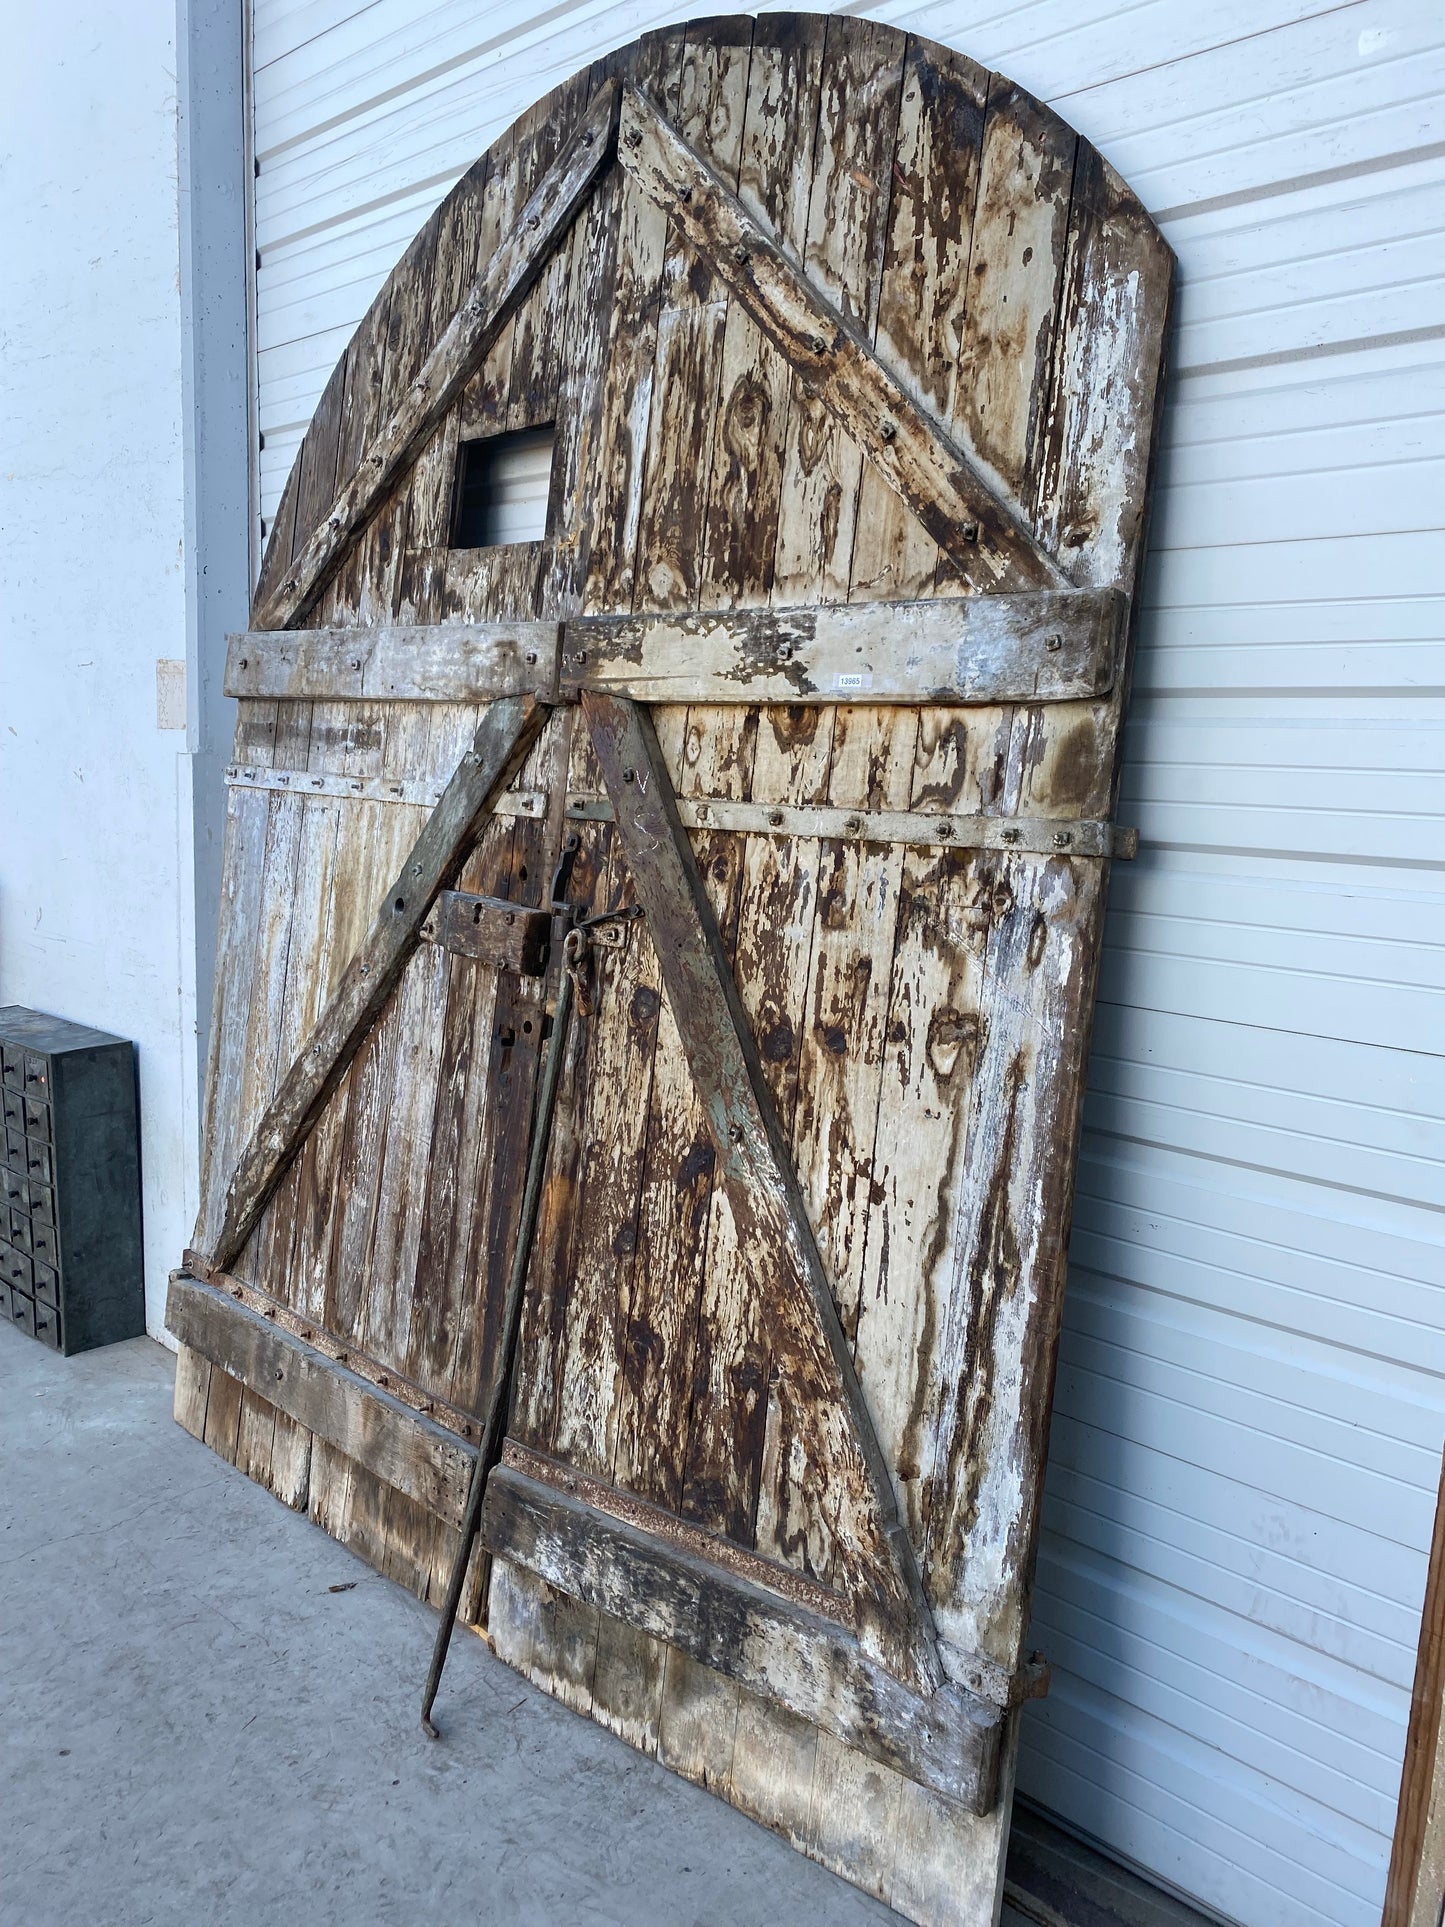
[973,426]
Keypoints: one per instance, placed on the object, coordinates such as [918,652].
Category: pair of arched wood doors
[850,352]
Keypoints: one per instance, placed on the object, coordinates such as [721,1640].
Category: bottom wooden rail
[719,1609]
[816,1668]
[403,1447]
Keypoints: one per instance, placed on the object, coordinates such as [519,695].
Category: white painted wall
[95,800]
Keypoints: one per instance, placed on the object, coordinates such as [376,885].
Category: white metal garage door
[1251,1399]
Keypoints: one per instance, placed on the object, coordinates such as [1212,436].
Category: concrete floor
[195,1727]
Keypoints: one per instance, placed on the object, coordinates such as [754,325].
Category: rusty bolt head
[852,825]
[969,531]
[1053,643]
[629,775]
[889,431]
[775,818]
[818,345]
[1062,840]
[580,657]
[740,253]
[736,1133]
[531,655]
[634,137]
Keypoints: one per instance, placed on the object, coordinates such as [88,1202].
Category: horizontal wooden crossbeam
[1050,646]
[500,746]
[765,1626]
[402,1446]
[494,298]
[968,512]
[947,1740]
[438,662]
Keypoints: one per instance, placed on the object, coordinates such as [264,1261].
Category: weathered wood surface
[919,1008]
[969,515]
[1053,647]
[418,662]
[1056,646]
[756,1169]
[404,1448]
[490,305]
[810,1665]
[497,752]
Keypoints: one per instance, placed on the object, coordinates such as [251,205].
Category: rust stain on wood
[915,1018]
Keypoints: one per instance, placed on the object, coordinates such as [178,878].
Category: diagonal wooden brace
[968,512]
[753,1156]
[491,303]
[499,748]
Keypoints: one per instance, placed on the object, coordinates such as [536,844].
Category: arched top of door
[815,311]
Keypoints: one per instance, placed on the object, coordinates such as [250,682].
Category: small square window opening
[503,484]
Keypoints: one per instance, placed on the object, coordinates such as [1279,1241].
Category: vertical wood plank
[774,175]
[193,1385]
[852,160]
[835,1118]
[733,1357]
[712,95]
[923,294]
[631,356]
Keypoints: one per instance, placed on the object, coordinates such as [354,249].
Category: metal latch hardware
[508,935]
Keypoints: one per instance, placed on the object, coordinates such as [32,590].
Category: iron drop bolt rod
[489,1442]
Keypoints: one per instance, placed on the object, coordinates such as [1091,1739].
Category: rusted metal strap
[422,793]
[926,829]
[1040,836]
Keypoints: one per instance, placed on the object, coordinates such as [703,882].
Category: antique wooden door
[847,355]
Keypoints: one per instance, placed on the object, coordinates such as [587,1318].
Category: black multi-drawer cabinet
[71,1272]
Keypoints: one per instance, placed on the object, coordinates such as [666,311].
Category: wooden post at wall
[1415,1895]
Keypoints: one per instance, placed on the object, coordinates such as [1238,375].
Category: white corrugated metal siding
[1251,1397]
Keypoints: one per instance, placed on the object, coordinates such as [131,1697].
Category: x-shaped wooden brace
[985,534]
[753,1158]
[968,511]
